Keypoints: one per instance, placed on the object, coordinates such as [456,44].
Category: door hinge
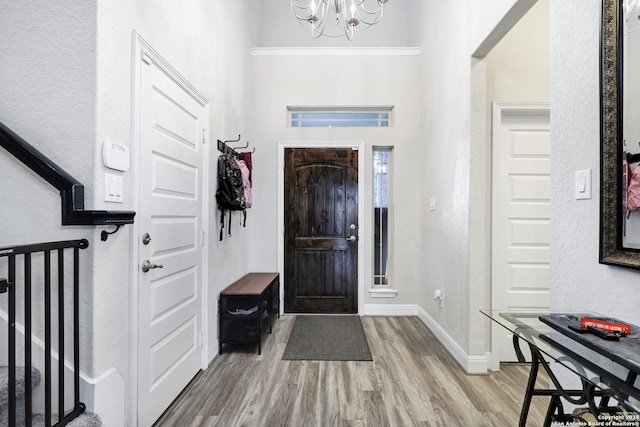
[202,338]
[204,237]
[204,135]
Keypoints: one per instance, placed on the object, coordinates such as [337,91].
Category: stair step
[86,419]
[20,385]
[20,391]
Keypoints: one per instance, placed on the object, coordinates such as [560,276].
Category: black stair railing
[71,191]
[45,285]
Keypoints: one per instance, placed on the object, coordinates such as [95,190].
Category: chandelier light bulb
[314,14]
[338,5]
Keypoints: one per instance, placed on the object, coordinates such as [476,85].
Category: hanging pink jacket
[246,182]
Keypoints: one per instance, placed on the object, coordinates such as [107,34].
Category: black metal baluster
[76,327]
[8,286]
[12,341]
[60,334]
[28,387]
[47,338]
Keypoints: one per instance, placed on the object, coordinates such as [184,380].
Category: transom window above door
[340,116]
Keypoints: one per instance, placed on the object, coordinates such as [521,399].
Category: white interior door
[521,215]
[171,193]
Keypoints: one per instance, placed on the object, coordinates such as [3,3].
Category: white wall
[201,41]
[288,78]
[445,97]
[518,67]
[578,281]
[65,86]
[454,130]
[47,96]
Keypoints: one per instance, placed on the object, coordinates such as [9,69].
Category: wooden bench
[246,308]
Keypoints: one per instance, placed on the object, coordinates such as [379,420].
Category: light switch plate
[113,188]
[583,184]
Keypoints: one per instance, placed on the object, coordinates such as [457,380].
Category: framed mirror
[620,132]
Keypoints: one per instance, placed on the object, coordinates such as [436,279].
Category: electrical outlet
[439,296]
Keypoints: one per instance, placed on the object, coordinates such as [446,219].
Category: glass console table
[607,369]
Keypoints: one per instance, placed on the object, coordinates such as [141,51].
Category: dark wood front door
[321,214]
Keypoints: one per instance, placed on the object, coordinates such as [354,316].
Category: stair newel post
[28,386]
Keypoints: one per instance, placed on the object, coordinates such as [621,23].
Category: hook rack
[226,149]
[633,158]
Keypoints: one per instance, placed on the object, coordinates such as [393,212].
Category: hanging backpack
[230,193]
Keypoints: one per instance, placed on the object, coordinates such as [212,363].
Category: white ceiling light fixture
[315,14]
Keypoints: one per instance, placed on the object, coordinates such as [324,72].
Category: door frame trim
[142,50]
[357,145]
[499,110]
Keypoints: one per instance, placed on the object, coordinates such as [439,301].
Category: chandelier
[359,16]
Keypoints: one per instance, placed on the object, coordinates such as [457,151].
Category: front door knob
[351,238]
[146,265]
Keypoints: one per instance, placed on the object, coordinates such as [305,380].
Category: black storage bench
[246,308]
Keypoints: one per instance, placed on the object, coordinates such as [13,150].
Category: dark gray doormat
[327,338]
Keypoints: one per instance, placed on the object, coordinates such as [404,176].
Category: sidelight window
[382,202]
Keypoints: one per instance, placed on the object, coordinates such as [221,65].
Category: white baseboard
[390,310]
[105,396]
[212,352]
[470,364]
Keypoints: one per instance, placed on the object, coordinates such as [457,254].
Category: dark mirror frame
[611,167]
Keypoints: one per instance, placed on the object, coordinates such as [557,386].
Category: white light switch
[583,184]
[432,204]
[113,188]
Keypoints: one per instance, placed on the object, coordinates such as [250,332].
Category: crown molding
[335,51]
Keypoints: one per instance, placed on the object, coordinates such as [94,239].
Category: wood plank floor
[412,381]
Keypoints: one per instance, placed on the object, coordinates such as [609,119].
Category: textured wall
[47,96]
[201,41]
[454,131]
[579,282]
[65,85]
[370,80]
[445,119]
[518,67]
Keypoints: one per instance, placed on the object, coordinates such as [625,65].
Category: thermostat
[115,155]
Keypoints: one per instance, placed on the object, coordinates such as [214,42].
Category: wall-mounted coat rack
[226,149]
[633,158]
